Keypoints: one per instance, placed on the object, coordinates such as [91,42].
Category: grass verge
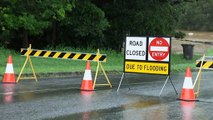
[114,62]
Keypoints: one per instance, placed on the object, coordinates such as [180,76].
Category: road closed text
[136,48]
[135,53]
[147,67]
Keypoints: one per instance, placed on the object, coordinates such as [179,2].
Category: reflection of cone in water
[86,93]
[86,102]
[8,92]
[187,90]
[86,98]
[87,80]
[86,116]
[187,109]
[9,76]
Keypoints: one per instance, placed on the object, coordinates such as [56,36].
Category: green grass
[209,52]
[178,63]
[49,65]
[114,62]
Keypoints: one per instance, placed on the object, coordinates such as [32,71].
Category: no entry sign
[158,49]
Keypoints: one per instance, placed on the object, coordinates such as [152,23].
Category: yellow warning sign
[147,67]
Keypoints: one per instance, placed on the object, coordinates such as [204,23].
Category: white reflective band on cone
[9,68]
[188,83]
[87,75]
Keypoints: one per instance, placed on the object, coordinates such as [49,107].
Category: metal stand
[198,77]
[31,65]
[122,77]
[96,74]
[168,78]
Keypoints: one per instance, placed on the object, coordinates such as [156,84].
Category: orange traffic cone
[9,76]
[87,83]
[187,93]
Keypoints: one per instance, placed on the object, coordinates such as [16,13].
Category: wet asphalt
[62,99]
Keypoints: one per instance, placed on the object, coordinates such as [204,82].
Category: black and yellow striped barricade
[207,63]
[64,55]
[96,57]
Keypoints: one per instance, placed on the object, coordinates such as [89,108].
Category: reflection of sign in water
[158,49]
[135,48]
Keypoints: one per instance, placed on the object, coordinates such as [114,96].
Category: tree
[55,11]
[84,25]
[197,16]
[137,18]
[31,17]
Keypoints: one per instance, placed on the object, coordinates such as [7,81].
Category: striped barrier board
[207,63]
[64,55]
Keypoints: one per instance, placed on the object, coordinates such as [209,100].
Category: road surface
[61,99]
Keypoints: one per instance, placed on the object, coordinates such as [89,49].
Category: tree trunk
[25,41]
[53,42]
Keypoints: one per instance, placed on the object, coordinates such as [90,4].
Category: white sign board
[136,48]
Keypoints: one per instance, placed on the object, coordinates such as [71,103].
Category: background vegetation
[85,25]
[93,23]
[114,62]
[197,15]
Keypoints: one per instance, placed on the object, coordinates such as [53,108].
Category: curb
[63,74]
[203,42]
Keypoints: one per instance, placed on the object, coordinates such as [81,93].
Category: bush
[179,35]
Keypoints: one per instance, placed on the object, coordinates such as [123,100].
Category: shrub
[179,35]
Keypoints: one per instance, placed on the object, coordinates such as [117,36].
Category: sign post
[147,55]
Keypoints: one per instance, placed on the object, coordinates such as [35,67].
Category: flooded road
[202,42]
[61,99]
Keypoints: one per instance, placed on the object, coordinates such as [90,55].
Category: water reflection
[86,102]
[26,93]
[187,109]
[143,110]
[8,92]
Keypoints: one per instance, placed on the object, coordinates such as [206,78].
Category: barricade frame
[99,65]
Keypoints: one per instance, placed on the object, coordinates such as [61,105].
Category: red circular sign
[158,49]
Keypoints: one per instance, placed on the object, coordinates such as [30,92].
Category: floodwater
[202,41]
[61,99]
[198,35]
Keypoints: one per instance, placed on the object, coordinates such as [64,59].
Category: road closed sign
[136,48]
[149,55]
[159,49]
